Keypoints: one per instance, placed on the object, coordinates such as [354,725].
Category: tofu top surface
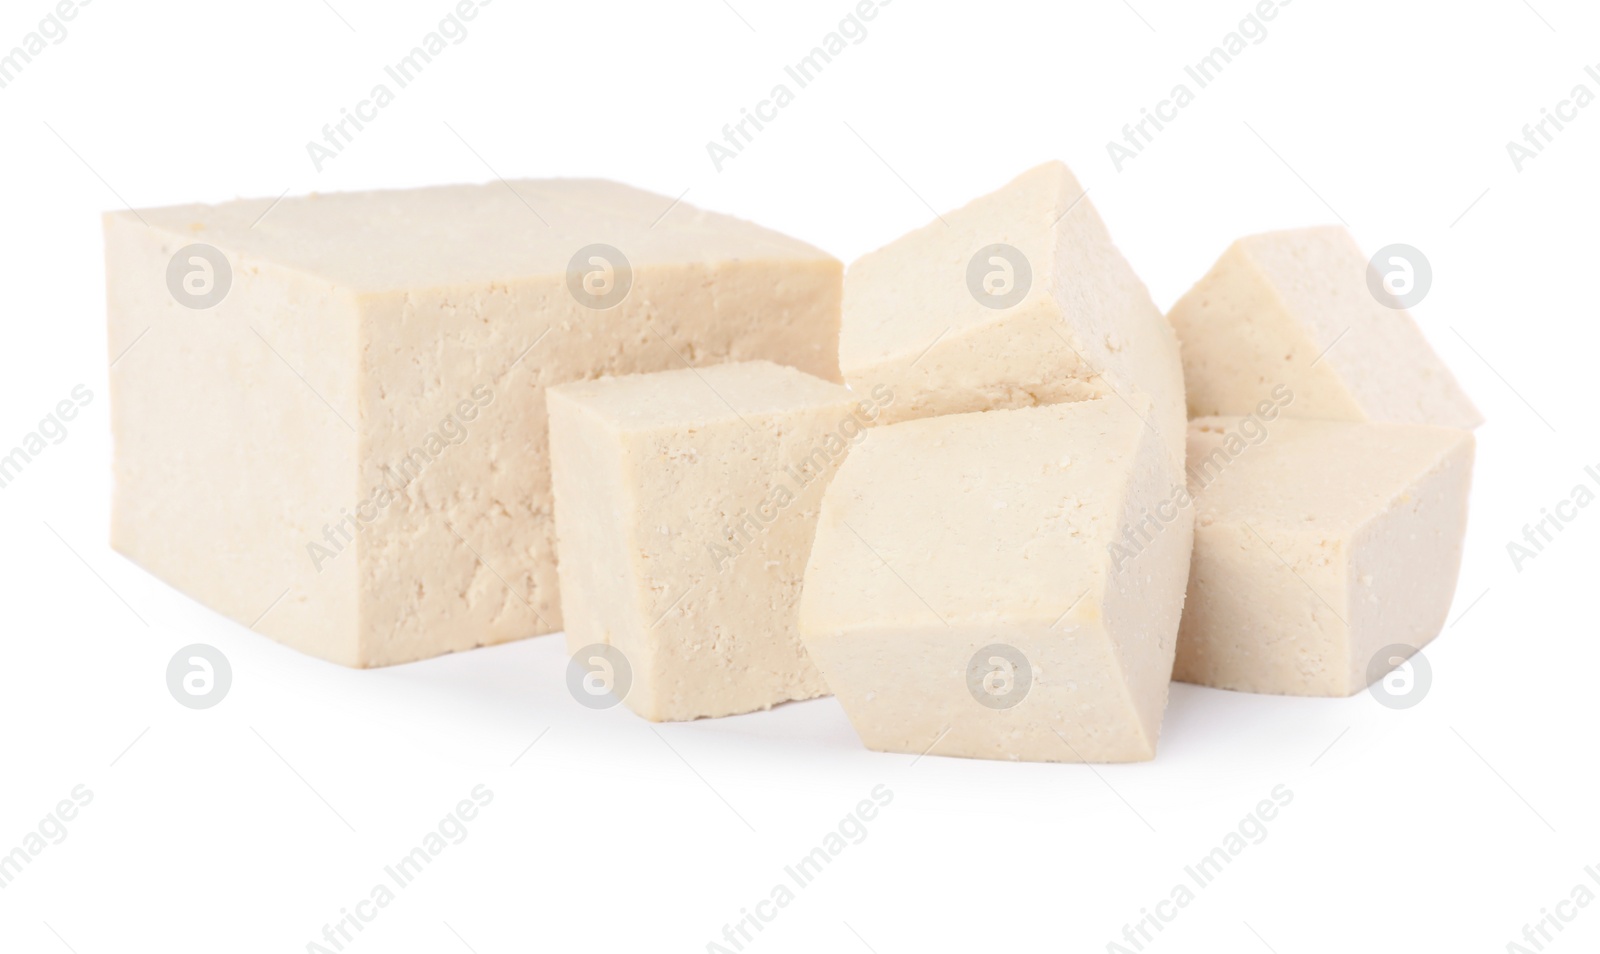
[693,397]
[1321,475]
[1316,270]
[443,236]
[898,299]
[981,515]
[1321,276]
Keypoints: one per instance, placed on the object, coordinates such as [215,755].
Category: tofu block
[686,502]
[1294,309]
[1318,544]
[329,412]
[1018,299]
[970,591]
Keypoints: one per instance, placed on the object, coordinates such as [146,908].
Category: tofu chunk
[685,503]
[329,421]
[973,592]
[1317,545]
[1018,299]
[1294,310]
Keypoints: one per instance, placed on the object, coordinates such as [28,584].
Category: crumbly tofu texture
[1085,328]
[353,441]
[1294,309]
[1317,544]
[945,535]
[686,502]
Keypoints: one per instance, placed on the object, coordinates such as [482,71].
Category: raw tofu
[922,315]
[971,590]
[1294,309]
[1318,544]
[348,450]
[686,502]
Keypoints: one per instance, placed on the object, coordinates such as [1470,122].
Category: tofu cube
[1295,310]
[973,589]
[328,411]
[1318,544]
[686,502]
[1018,299]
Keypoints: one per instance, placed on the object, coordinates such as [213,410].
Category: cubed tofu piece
[329,412]
[972,591]
[686,502]
[1018,299]
[1295,310]
[1319,545]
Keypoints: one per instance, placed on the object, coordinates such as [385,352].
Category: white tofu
[969,593]
[1294,309]
[1318,544]
[358,425]
[954,324]
[686,502]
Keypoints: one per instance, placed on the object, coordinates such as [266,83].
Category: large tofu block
[1016,300]
[329,421]
[970,592]
[1318,544]
[686,502]
[1294,309]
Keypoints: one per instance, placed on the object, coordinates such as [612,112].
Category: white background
[247,827]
